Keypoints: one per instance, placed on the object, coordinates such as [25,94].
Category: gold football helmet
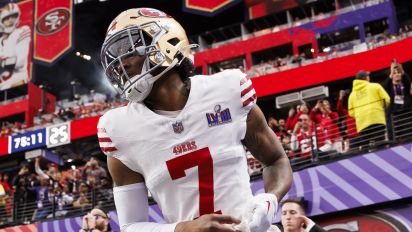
[148,33]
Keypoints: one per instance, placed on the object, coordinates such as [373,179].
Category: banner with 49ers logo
[16,26]
[53,29]
[207,8]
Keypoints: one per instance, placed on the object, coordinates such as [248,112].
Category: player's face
[290,220]
[9,21]
[132,65]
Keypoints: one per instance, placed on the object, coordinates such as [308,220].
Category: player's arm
[265,147]
[130,196]
[131,200]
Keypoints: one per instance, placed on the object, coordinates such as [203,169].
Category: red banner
[53,29]
[15,43]
[207,8]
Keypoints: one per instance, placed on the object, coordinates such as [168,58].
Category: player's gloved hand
[259,213]
[209,223]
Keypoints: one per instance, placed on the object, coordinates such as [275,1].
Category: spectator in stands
[63,200]
[367,104]
[96,221]
[4,197]
[294,115]
[323,116]
[398,86]
[347,123]
[293,218]
[52,174]
[44,206]
[82,201]
[94,169]
[22,184]
[305,139]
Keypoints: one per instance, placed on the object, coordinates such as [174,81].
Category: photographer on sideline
[96,221]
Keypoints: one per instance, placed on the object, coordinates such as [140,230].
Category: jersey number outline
[203,160]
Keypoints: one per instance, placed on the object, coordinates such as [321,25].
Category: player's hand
[259,212]
[209,223]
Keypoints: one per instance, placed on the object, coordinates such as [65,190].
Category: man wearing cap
[367,104]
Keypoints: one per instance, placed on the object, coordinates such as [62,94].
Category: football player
[14,48]
[181,136]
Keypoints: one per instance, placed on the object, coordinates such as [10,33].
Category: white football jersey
[195,163]
[15,50]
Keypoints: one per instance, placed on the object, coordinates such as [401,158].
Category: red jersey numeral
[203,160]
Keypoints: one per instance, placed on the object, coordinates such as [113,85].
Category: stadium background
[294,51]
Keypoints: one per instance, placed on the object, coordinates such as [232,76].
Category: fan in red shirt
[304,138]
[324,117]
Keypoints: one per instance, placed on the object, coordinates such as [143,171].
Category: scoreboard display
[27,141]
[52,136]
[58,135]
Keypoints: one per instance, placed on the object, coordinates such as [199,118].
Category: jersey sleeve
[247,92]
[243,97]
[106,144]
[111,143]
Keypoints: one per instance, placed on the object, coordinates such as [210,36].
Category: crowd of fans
[279,64]
[53,192]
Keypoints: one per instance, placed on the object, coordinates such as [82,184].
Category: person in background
[22,184]
[304,138]
[293,218]
[294,115]
[323,116]
[367,104]
[347,123]
[96,221]
[4,197]
[398,86]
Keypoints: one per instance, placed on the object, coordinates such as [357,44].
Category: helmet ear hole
[173,41]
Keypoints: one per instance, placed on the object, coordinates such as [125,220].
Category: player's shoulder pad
[107,123]
[234,74]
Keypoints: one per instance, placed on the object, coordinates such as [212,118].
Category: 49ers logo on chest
[184,147]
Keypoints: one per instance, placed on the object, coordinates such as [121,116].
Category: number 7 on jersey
[203,160]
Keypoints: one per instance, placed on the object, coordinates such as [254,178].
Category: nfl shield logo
[178,127]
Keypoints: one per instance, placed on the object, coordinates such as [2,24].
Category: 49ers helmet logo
[153,13]
[53,21]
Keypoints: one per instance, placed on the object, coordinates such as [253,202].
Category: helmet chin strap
[146,84]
